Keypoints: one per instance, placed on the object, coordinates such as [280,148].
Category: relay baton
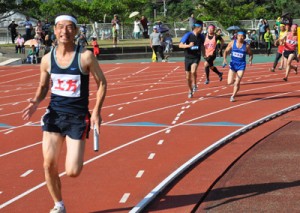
[96,139]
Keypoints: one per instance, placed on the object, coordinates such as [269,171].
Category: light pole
[165,9]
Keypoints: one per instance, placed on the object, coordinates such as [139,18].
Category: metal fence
[176,29]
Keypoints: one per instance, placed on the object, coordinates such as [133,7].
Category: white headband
[65,18]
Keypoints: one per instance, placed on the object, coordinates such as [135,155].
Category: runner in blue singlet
[238,48]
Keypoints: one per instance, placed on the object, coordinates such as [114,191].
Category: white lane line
[216,91]
[111,70]
[135,98]
[177,118]
[16,150]
[168,131]
[6,133]
[160,142]
[120,108]
[26,173]
[173,122]
[141,139]
[151,156]
[124,198]
[110,115]
[16,103]
[208,94]
[1,193]
[140,174]
[141,93]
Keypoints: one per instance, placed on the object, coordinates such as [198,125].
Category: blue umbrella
[233,28]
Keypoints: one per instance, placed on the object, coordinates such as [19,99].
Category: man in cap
[192,43]
[67,119]
[156,39]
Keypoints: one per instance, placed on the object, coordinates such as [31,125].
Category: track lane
[167,116]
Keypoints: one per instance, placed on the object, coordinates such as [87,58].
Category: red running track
[150,128]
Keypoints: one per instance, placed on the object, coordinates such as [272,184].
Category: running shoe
[272,69]
[206,82]
[163,60]
[280,68]
[285,79]
[58,210]
[195,88]
[190,95]
[221,76]
[232,99]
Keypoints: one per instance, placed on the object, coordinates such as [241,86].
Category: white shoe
[164,60]
[195,88]
[232,99]
[190,95]
[58,210]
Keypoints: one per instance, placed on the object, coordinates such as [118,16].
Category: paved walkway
[266,179]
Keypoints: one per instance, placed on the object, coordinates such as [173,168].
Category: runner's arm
[90,63]
[42,89]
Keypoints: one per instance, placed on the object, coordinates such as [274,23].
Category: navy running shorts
[287,53]
[210,60]
[75,126]
[189,61]
[237,66]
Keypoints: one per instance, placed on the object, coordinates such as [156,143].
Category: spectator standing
[47,44]
[156,40]
[137,28]
[276,31]
[117,22]
[83,29]
[81,41]
[254,38]
[219,43]
[46,27]
[95,45]
[38,30]
[20,48]
[114,34]
[268,37]
[28,28]
[168,43]
[191,21]
[12,27]
[144,23]
[261,32]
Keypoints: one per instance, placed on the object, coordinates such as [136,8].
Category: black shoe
[221,76]
[285,79]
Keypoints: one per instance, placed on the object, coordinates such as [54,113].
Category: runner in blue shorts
[192,43]
[238,48]
[67,120]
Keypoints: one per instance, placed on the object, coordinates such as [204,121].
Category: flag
[153,56]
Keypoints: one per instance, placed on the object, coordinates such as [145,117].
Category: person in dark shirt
[192,43]
[13,31]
